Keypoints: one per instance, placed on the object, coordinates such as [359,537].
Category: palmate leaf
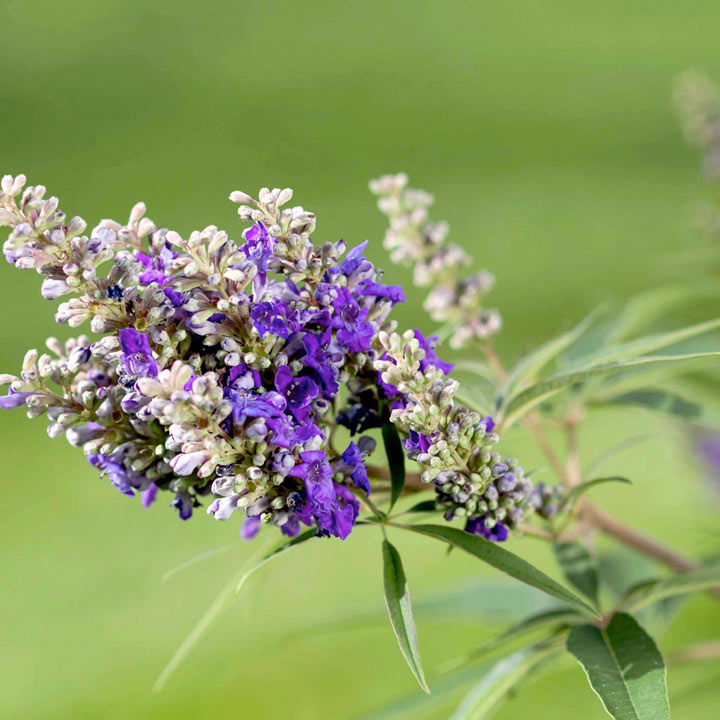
[396,461]
[397,599]
[642,594]
[578,567]
[504,675]
[219,604]
[503,560]
[545,389]
[624,667]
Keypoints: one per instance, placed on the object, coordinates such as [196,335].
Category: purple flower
[147,496]
[428,345]
[476,526]
[354,333]
[155,266]
[14,399]
[417,442]
[353,463]
[316,358]
[355,260]
[489,423]
[298,392]
[184,503]
[137,359]
[241,378]
[274,317]
[343,513]
[394,293]
[250,527]
[315,471]
[177,299]
[249,405]
[117,473]
[258,247]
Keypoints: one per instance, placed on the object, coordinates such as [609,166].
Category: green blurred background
[547,134]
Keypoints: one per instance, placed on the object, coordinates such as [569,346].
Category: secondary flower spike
[218,368]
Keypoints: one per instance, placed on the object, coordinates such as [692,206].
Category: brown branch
[602,521]
[696,653]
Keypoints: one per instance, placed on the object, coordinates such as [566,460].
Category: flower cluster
[698,103]
[453,444]
[221,364]
[413,239]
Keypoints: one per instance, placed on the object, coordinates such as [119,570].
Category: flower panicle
[219,367]
[413,239]
[454,445]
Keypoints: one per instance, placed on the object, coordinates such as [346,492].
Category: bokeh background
[547,134]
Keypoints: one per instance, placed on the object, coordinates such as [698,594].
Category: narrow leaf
[195,560]
[279,550]
[624,667]
[543,390]
[218,606]
[503,560]
[619,448]
[424,506]
[665,402]
[578,567]
[504,675]
[396,460]
[397,599]
[529,366]
[650,305]
[582,488]
[554,619]
[651,591]
[416,705]
[474,398]
[649,344]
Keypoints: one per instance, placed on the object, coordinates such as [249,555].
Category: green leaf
[279,550]
[650,305]
[665,402]
[529,366]
[195,560]
[555,619]
[397,598]
[648,344]
[619,448]
[582,488]
[541,391]
[480,369]
[624,667]
[503,560]
[219,604]
[504,675]
[474,398]
[424,506]
[651,591]
[578,567]
[416,705]
[396,460]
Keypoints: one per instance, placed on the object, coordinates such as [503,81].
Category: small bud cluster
[453,444]
[413,239]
